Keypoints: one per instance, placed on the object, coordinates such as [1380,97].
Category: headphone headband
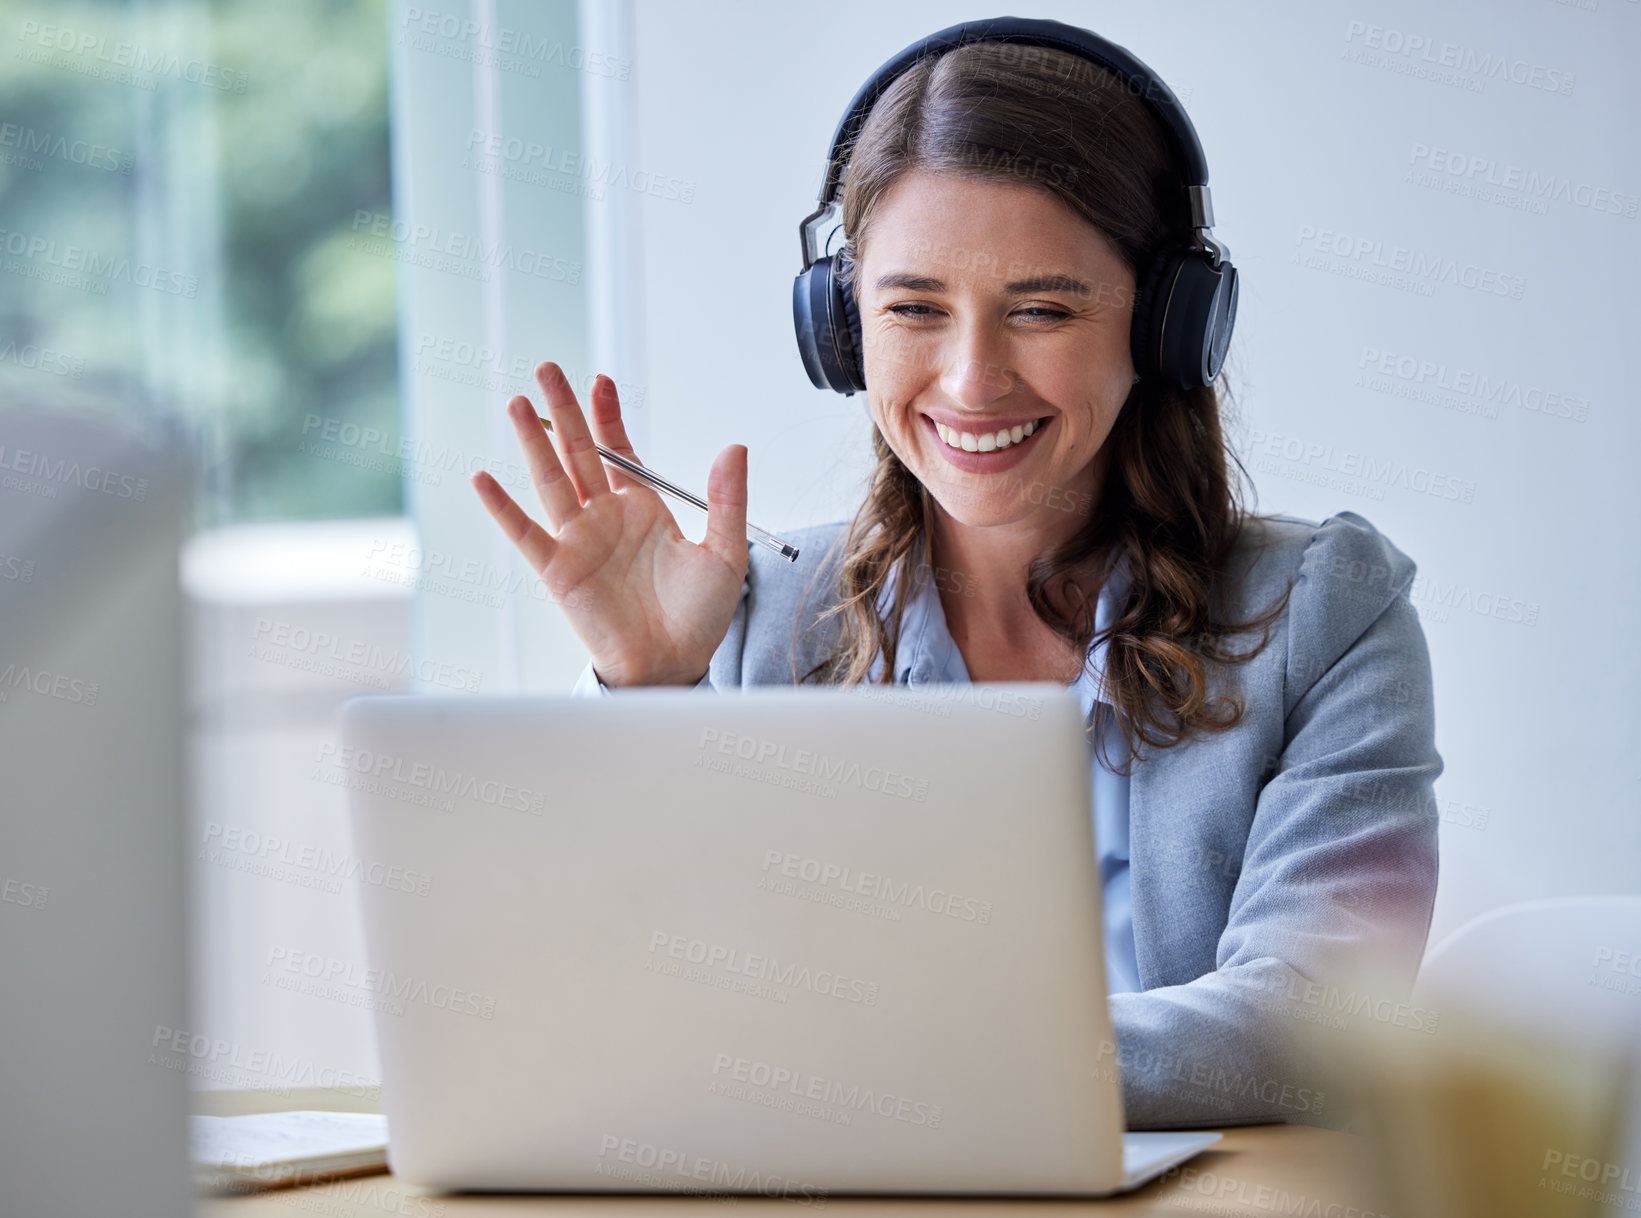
[1026,31]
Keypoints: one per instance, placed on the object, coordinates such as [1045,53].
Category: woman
[1257,689]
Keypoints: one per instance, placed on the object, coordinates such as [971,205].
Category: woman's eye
[1035,313]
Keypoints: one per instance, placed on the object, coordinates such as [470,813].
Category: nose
[976,367]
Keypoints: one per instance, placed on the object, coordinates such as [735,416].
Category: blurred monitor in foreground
[92,926]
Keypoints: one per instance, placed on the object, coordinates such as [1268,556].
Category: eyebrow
[1043,283]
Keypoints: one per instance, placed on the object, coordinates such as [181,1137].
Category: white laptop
[796,942]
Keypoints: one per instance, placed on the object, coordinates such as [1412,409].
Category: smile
[987,450]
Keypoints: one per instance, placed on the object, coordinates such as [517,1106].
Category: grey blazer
[1283,872]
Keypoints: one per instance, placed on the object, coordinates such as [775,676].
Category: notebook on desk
[241,1154]
[785,941]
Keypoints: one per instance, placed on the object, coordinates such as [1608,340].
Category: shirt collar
[927,652]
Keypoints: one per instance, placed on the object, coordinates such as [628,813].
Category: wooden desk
[1262,1169]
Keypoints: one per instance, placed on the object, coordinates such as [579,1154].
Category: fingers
[575,443]
[558,494]
[610,431]
[726,506]
[533,541]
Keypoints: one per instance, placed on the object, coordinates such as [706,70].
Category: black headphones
[1185,304]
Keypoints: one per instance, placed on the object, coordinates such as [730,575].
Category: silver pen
[656,482]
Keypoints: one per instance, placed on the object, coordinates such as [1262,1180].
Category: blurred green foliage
[237,141]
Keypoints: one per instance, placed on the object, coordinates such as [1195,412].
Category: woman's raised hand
[649,604]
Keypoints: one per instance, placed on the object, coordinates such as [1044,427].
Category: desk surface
[1261,1169]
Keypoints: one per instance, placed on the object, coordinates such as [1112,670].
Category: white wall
[1535,719]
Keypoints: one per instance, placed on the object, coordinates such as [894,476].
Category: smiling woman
[998,208]
[1031,300]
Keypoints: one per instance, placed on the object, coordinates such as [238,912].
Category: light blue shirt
[927,653]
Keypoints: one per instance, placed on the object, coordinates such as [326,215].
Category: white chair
[1564,970]
[1562,963]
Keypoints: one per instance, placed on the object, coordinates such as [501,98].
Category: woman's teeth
[985,442]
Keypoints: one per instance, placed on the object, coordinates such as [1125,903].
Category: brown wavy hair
[1167,503]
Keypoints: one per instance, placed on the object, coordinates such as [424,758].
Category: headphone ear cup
[809,316]
[1197,329]
[853,353]
[1224,317]
[1184,317]
[828,329]
[1150,305]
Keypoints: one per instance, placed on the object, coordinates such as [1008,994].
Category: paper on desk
[268,1150]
